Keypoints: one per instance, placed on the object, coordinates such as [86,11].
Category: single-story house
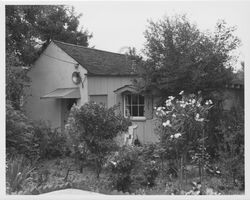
[65,74]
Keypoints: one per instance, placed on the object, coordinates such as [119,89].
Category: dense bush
[91,130]
[231,146]
[122,166]
[19,133]
[133,167]
[50,142]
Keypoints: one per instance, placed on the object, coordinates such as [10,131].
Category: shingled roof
[98,62]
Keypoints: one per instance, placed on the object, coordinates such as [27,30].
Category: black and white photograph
[122,98]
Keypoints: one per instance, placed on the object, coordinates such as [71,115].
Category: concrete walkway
[71,192]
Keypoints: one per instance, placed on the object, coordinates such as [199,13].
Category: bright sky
[116,25]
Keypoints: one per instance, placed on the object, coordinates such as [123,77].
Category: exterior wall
[52,70]
[105,85]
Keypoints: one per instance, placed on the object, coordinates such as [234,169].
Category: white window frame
[136,118]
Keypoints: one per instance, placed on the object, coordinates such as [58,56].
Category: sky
[117,25]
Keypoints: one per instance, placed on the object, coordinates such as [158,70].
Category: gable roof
[98,62]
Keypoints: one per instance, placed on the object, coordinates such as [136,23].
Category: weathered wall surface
[52,70]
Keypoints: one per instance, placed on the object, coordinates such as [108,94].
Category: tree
[181,57]
[30,26]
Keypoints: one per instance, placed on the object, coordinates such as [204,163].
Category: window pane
[134,99]
[141,111]
[141,99]
[135,111]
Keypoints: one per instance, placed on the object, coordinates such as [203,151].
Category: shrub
[18,171]
[122,165]
[133,167]
[19,133]
[91,130]
[231,146]
[50,143]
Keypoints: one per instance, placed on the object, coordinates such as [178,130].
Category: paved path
[71,192]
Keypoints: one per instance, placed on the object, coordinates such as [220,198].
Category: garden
[86,156]
[200,150]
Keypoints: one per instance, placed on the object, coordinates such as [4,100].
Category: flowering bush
[91,130]
[182,122]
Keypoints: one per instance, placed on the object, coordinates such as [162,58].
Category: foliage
[122,165]
[18,172]
[16,80]
[231,146]
[182,123]
[19,132]
[181,57]
[51,143]
[31,26]
[91,130]
[133,167]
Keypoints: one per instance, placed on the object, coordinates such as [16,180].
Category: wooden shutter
[119,102]
[149,106]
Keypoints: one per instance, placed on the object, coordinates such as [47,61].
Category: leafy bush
[50,142]
[91,130]
[133,167]
[18,171]
[231,146]
[19,133]
[122,165]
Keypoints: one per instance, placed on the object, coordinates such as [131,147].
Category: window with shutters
[134,106]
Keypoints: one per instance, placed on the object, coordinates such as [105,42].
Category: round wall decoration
[76,78]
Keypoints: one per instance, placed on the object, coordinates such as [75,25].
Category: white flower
[171,136]
[208,102]
[168,102]
[171,98]
[114,163]
[193,101]
[183,105]
[174,115]
[177,135]
[198,104]
[198,119]
[159,108]
[181,92]
[167,123]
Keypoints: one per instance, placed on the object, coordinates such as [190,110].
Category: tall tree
[181,57]
[32,26]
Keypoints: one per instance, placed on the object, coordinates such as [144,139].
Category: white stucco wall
[52,70]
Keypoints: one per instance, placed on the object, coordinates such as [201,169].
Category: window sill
[138,118]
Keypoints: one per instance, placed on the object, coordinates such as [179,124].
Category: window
[134,105]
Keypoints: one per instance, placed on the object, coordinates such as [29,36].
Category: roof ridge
[75,45]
